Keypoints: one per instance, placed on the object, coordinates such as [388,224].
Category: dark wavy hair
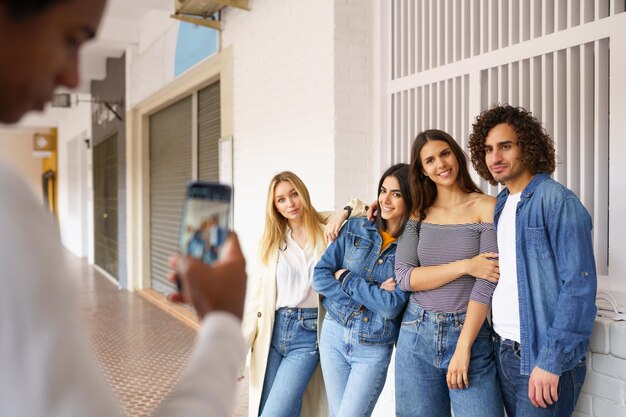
[21,9]
[537,148]
[401,173]
[423,189]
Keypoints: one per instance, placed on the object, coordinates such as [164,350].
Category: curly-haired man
[544,304]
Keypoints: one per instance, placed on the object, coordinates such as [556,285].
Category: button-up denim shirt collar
[556,275]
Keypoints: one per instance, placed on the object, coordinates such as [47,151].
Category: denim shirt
[556,275]
[359,296]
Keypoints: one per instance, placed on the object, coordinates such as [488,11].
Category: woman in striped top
[447,258]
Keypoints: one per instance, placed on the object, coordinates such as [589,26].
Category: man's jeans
[515,386]
[426,344]
[354,373]
[292,360]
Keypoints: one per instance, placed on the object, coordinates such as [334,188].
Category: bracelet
[349,210]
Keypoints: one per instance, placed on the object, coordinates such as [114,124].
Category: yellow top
[387,239]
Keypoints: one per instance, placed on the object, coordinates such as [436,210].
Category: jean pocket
[309,324]
[537,243]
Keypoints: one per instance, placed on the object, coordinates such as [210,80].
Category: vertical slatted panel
[170,171]
[566,90]
[535,87]
[514,79]
[426,19]
[525,20]
[601,155]
[602,9]
[588,11]
[450,105]
[392,129]
[536,24]
[457,110]
[514,18]
[467,29]
[434,33]
[395,31]
[475,18]
[573,118]
[586,125]
[484,26]
[404,126]
[561,14]
[548,17]
[412,41]
[573,13]
[441,38]
[209,132]
[547,96]
[503,87]
[560,122]
[525,84]
[412,124]
[418,35]
[504,31]
[404,50]
[494,25]
[465,123]
[419,112]
[452,28]
[617,6]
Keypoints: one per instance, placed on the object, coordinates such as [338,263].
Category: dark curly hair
[423,189]
[536,146]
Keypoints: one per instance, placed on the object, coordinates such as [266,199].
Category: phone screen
[204,228]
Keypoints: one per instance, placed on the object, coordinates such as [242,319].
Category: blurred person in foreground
[46,367]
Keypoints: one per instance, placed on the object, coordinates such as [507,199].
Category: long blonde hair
[276,225]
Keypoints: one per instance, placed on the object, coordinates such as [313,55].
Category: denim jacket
[556,275]
[357,249]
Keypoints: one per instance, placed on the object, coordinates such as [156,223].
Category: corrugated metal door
[209,132]
[105,205]
[170,172]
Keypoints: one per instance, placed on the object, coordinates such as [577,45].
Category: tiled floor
[142,348]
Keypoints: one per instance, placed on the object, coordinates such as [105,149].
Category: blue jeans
[515,386]
[354,373]
[425,347]
[292,360]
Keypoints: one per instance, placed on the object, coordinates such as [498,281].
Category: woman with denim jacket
[280,318]
[447,257]
[355,279]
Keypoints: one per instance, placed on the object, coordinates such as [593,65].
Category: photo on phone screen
[204,228]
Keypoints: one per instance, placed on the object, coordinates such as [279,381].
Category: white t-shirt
[505,303]
[46,365]
[293,275]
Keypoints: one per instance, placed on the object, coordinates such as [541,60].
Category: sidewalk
[141,348]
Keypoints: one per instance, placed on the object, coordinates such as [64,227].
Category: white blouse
[293,275]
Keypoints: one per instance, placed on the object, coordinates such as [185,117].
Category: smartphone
[206,220]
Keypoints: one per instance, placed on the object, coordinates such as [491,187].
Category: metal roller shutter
[105,205]
[209,132]
[170,172]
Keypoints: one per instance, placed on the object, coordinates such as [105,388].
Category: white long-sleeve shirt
[46,365]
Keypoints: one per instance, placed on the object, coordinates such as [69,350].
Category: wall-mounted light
[66,100]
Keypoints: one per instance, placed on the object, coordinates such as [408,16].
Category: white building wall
[150,65]
[75,181]
[283,107]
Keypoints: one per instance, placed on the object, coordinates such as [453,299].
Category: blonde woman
[280,322]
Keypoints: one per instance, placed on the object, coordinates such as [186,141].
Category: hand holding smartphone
[206,219]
